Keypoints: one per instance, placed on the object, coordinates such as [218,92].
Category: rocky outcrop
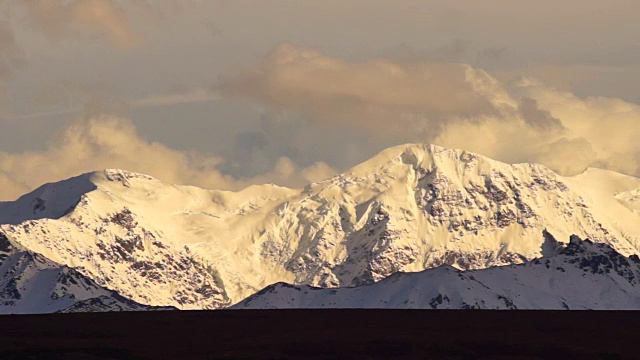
[31,283]
[581,275]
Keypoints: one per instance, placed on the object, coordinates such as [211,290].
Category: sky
[223,94]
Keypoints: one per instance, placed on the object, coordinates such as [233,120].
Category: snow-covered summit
[51,200]
[54,200]
[409,208]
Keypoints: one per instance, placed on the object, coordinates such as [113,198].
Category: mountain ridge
[556,282]
[409,208]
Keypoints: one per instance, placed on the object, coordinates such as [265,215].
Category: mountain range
[581,276]
[408,209]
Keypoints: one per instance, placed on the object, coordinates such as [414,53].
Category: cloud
[609,81]
[379,96]
[317,172]
[187,96]
[11,55]
[450,104]
[109,142]
[455,51]
[567,156]
[305,142]
[611,126]
[492,54]
[584,132]
[536,117]
[56,19]
[69,98]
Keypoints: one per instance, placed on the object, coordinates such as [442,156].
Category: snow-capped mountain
[30,284]
[582,275]
[409,208]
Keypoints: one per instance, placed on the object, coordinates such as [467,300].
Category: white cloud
[452,105]
[379,96]
[108,142]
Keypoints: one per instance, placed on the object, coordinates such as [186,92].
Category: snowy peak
[55,200]
[126,178]
[409,208]
[52,200]
[582,275]
[428,158]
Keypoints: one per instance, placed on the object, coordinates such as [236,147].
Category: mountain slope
[583,275]
[409,208]
[31,284]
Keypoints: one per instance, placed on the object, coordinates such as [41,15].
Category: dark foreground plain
[320,334]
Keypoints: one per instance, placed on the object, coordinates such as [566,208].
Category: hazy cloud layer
[571,133]
[107,142]
[458,50]
[367,75]
[10,52]
[450,104]
[321,110]
[380,96]
[11,55]
[536,117]
[56,19]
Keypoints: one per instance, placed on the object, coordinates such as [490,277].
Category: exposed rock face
[430,206]
[125,256]
[410,208]
[582,275]
[30,283]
